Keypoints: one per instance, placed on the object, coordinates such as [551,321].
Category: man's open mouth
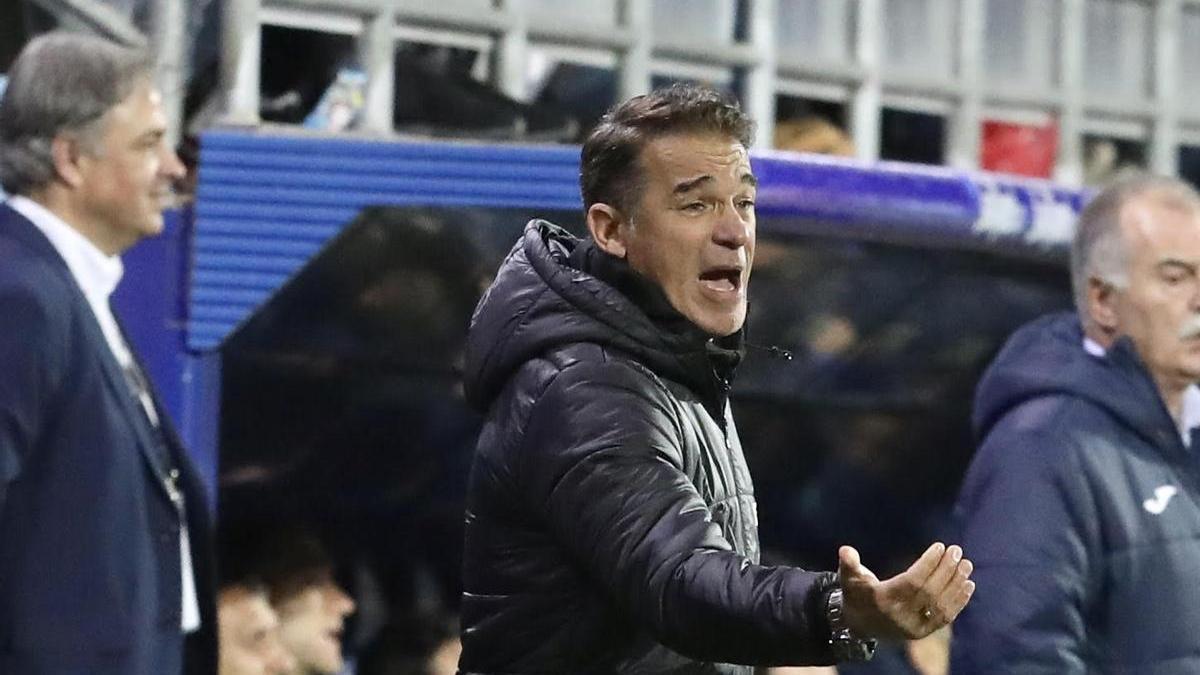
[723,279]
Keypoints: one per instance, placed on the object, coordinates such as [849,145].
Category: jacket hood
[539,301]
[1047,358]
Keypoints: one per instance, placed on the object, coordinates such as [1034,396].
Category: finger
[935,601]
[926,564]
[848,558]
[961,576]
[943,575]
[946,605]
[851,569]
[959,601]
[906,587]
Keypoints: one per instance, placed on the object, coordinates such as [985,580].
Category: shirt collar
[1189,414]
[96,272]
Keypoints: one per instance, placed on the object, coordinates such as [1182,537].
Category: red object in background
[1020,149]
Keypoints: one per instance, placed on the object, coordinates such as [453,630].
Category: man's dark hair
[285,559]
[610,170]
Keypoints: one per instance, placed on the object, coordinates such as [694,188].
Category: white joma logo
[1158,503]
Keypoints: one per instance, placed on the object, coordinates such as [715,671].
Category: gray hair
[60,83]
[1099,249]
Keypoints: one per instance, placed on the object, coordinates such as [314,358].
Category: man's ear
[66,153]
[1102,305]
[609,228]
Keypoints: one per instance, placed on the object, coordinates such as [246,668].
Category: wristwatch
[845,644]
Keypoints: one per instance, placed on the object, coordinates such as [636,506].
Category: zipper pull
[773,351]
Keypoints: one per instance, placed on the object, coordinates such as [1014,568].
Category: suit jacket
[89,537]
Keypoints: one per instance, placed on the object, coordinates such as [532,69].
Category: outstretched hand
[912,604]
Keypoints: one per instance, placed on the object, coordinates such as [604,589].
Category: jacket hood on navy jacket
[540,299]
[1046,358]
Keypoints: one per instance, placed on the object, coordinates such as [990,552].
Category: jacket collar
[96,272]
[710,361]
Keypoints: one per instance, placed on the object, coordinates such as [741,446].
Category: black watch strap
[845,645]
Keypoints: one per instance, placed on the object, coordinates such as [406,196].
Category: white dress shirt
[1189,413]
[98,275]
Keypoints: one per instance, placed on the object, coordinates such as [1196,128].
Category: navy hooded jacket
[1080,512]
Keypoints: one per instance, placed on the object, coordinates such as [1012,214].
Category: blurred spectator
[815,134]
[1109,159]
[298,574]
[414,645]
[312,620]
[438,94]
[312,607]
[249,633]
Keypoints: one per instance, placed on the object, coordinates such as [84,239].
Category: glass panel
[862,437]
[466,5]
[1020,41]
[693,21]
[581,91]
[912,137]
[1117,47]
[574,14]
[918,36]
[1189,57]
[815,29]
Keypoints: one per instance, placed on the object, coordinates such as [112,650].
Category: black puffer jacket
[611,523]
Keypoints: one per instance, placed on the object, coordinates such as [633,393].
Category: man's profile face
[128,171]
[311,624]
[248,632]
[1163,291]
[693,230]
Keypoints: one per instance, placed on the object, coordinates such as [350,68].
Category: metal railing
[854,64]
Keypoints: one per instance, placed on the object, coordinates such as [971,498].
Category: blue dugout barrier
[268,202]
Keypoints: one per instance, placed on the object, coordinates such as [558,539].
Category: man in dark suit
[104,534]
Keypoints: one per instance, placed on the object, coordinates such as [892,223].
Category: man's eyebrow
[152,134]
[689,185]
[1176,262]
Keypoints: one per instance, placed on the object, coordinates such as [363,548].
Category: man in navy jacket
[104,535]
[1082,507]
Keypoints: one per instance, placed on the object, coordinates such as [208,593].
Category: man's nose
[172,166]
[341,601]
[733,228]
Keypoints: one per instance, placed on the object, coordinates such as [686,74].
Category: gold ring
[927,614]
